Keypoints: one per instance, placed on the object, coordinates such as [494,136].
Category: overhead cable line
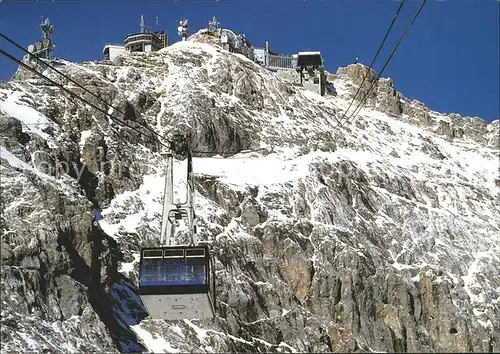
[157,135]
[358,108]
[374,58]
[76,83]
[78,97]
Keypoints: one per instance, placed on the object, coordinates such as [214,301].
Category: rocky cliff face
[382,235]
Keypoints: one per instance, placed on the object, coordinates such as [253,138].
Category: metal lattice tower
[213,25]
[183,29]
[47,29]
[44,48]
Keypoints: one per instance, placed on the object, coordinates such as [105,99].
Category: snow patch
[156,344]
[32,120]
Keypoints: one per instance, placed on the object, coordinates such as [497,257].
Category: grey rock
[382,239]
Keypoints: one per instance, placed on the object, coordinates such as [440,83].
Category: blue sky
[449,60]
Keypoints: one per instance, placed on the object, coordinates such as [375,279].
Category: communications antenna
[47,47]
[182,29]
[213,25]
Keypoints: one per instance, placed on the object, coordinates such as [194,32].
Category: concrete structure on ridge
[144,41]
[305,69]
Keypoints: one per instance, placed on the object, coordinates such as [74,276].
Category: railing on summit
[280,61]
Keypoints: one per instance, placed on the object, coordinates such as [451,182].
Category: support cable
[374,58]
[80,98]
[356,111]
[74,82]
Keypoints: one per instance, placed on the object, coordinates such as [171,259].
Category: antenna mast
[182,29]
[172,211]
[44,48]
[214,25]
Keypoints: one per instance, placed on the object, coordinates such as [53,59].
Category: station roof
[309,53]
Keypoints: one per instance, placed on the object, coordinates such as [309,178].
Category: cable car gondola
[177,281]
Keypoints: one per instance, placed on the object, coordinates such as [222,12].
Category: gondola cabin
[177,282]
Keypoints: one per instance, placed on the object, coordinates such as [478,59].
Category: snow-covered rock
[379,236]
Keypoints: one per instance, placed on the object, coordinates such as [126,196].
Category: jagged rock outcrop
[380,236]
[54,261]
[385,98]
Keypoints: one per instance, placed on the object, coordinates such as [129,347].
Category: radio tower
[47,47]
[142,23]
[182,29]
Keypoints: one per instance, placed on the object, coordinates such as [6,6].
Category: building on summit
[144,41]
[304,69]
